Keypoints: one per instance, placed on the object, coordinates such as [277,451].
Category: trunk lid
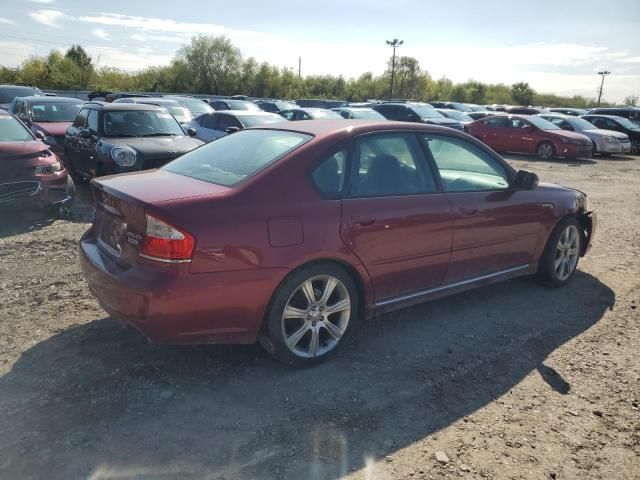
[121,202]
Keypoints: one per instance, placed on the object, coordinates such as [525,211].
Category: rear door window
[329,175]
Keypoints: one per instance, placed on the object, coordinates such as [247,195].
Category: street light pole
[604,73]
[395,43]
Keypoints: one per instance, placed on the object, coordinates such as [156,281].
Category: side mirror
[40,135]
[412,117]
[526,180]
[232,130]
[25,118]
[191,132]
[85,133]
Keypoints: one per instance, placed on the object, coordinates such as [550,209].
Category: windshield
[11,130]
[580,124]
[542,124]
[242,105]
[458,115]
[140,123]
[8,94]
[181,113]
[195,106]
[426,112]
[55,112]
[233,158]
[461,107]
[253,120]
[368,114]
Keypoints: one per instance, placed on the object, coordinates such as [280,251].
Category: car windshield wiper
[160,134]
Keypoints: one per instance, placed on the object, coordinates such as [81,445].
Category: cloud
[628,60]
[42,1]
[14,53]
[7,21]
[47,17]
[138,37]
[126,59]
[100,33]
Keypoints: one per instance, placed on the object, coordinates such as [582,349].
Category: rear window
[234,158]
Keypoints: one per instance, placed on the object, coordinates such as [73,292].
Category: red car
[290,233]
[30,173]
[531,135]
[47,117]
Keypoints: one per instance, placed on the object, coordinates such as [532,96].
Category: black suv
[232,104]
[108,138]
[415,112]
[9,92]
[619,124]
[632,113]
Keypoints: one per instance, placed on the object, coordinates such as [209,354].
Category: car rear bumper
[167,304]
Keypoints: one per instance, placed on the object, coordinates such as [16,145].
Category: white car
[211,126]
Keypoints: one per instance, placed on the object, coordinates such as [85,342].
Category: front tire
[561,254]
[311,314]
[545,151]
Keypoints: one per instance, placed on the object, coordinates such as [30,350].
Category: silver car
[212,126]
[605,142]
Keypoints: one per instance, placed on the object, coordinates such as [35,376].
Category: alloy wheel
[567,253]
[545,151]
[316,316]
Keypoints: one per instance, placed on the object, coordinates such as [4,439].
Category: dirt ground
[511,381]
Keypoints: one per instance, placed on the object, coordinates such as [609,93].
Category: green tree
[213,63]
[632,100]
[82,60]
[522,93]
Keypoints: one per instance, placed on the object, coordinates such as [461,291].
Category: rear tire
[311,315]
[560,258]
[545,151]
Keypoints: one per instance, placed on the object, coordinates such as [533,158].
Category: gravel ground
[510,381]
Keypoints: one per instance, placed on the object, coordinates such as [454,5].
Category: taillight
[165,243]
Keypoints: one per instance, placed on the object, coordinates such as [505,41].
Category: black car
[320,103]
[9,92]
[275,106]
[461,107]
[414,112]
[108,138]
[574,112]
[632,113]
[619,124]
[525,110]
[231,104]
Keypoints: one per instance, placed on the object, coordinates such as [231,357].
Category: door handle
[363,221]
[468,211]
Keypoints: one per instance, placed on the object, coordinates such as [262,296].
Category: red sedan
[30,173]
[290,233]
[530,135]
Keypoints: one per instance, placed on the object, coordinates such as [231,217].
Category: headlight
[46,169]
[125,157]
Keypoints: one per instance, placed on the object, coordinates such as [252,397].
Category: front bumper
[38,191]
[576,151]
[169,305]
[618,147]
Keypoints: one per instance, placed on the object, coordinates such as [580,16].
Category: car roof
[613,117]
[241,113]
[5,85]
[124,106]
[346,128]
[44,99]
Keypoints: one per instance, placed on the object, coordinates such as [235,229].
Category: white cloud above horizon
[7,21]
[571,64]
[50,18]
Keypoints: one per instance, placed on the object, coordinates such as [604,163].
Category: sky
[556,46]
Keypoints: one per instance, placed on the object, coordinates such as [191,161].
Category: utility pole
[395,43]
[603,73]
[299,68]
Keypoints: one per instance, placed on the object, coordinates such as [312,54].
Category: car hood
[54,129]
[18,159]
[569,135]
[157,145]
[610,133]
